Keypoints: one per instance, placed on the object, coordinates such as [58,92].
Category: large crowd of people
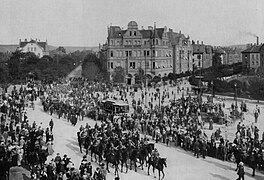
[179,122]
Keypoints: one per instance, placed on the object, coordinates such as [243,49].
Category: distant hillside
[239,46]
[69,49]
[8,48]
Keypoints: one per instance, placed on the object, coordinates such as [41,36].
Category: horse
[143,154]
[112,156]
[152,162]
[160,166]
[133,158]
[97,149]
[123,158]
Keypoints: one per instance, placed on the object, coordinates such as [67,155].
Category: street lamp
[235,95]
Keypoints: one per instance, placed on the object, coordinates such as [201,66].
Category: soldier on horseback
[154,155]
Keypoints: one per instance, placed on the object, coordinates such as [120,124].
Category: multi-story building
[148,49]
[202,55]
[182,52]
[40,49]
[251,58]
[232,55]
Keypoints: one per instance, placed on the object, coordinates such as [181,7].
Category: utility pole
[145,80]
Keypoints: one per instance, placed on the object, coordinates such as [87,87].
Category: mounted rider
[154,155]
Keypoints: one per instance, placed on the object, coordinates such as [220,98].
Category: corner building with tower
[156,51]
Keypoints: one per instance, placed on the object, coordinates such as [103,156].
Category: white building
[40,49]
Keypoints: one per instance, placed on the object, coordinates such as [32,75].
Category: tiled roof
[175,37]
[41,44]
[253,49]
[116,32]
[198,48]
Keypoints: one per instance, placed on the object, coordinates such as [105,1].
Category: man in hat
[51,124]
[240,171]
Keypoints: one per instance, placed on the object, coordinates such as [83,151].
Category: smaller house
[251,57]
[37,47]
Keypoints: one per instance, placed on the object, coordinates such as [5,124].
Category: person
[154,154]
[103,171]
[240,171]
[51,124]
[50,149]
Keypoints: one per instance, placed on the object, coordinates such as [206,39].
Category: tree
[119,74]
[139,76]
[217,60]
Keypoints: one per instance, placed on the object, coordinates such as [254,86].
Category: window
[38,54]
[111,53]
[147,53]
[252,56]
[157,42]
[126,53]
[153,65]
[147,64]
[35,48]
[130,53]
[28,48]
[252,62]
[132,65]
[112,42]
[163,43]
[130,33]
[112,65]
[145,42]
[135,33]
[32,49]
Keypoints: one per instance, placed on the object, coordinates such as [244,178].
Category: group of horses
[124,155]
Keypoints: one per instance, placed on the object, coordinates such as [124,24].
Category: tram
[115,106]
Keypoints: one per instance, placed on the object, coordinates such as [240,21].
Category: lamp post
[235,96]
[145,80]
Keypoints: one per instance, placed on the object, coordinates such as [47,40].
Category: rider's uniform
[154,154]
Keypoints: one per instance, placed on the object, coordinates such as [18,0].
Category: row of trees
[16,67]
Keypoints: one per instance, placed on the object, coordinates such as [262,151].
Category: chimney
[25,40]
[257,40]
[180,32]
[142,27]
[197,42]
[193,42]
[170,30]
[202,42]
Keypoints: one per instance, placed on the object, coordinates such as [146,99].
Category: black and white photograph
[131,90]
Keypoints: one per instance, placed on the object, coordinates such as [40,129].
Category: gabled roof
[41,44]
[198,48]
[116,32]
[175,37]
[253,49]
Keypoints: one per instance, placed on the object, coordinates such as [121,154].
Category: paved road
[181,165]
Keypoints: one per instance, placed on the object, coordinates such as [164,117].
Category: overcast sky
[84,22]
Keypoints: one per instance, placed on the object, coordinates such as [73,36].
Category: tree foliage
[20,64]
[119,75]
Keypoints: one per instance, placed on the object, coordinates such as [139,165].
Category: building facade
[40,49]
[202,55]
[148,49]
[251,58]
